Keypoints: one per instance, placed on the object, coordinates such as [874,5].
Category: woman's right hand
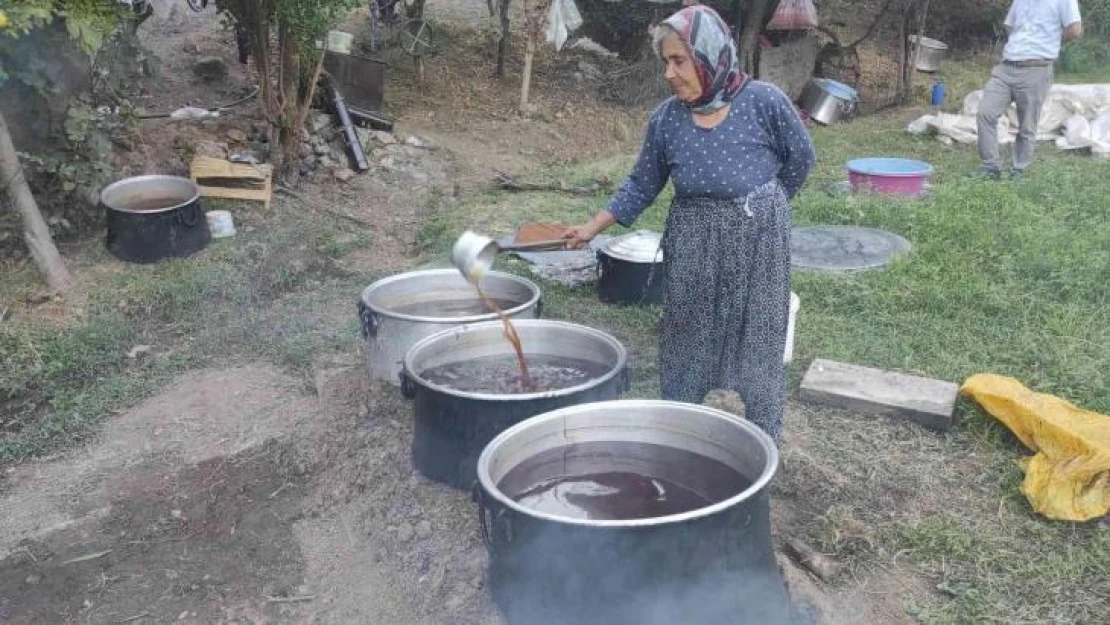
[578,236]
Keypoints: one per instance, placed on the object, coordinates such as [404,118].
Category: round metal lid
[638,247]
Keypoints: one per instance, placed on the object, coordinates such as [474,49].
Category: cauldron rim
[533,288]
[758,485]
[617,368]
[116,187]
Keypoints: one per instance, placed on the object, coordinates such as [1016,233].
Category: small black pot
[154,217]
[630,270]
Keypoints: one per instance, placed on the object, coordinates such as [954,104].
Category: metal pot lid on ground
[642,246]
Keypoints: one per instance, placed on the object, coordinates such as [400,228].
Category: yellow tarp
[1069,477]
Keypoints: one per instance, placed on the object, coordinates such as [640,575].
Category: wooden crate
[221,178]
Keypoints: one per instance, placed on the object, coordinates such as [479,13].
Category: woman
[736,152]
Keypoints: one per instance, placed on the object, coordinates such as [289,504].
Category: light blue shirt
[1037,27]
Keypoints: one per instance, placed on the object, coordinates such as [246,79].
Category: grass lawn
[1010,278]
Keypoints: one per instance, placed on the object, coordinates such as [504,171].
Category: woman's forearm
[601,221]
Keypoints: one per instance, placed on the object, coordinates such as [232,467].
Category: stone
[210,68]
[424,529]
[343,174]
[319,121]
[138,351]
[926,401]
[237,135]
[207,147]
[419,142]
[405,532]
[385,138]
[305,150]
[790,65]
[190,46]
[33,579]
[322,148]
[325,161]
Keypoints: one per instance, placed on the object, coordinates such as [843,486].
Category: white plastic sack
[563,18]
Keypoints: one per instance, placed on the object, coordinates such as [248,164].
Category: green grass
[1011,278]
[262,295]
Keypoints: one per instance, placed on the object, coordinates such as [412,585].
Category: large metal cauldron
[452,427]
[390,333]
[827,101]
[709,566]
[154,217]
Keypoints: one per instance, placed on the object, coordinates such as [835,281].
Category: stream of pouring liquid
[510,333]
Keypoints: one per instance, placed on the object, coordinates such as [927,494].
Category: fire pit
[465,387]
[645,512]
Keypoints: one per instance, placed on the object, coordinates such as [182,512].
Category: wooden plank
[257,179]
[931,403]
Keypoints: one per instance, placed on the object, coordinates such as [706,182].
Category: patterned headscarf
[710,44]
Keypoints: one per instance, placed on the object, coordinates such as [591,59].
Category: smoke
[714,571]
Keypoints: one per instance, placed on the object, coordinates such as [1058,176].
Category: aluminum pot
[827,101]
[452,427]
[390,332]
[630,269]
[931,54]
[712,565]
[154,217]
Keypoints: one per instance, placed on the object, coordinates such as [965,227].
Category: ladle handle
[550,244]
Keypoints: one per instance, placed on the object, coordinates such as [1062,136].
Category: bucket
[220,224]
[795,304]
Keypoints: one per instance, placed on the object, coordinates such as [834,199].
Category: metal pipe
[353,141]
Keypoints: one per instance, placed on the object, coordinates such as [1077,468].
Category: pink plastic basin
[900,176]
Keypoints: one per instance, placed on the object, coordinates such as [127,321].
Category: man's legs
[996,99]
[1030,90]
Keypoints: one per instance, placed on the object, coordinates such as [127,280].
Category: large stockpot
[154,217]
[451,427]
[390,334]
[827,101]
[711,566]
[630,269]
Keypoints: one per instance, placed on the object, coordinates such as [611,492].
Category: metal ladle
[473,253]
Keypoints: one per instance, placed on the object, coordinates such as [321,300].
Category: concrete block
[926,401]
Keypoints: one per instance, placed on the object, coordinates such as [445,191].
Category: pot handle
[484,514]
[368,321]
[539,308]
[190,215]
[488,519]
[408,389]
[598,266]
[626,379]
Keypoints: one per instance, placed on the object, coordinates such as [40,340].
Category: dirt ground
[239,496]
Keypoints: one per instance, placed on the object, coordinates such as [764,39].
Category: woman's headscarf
[710,43]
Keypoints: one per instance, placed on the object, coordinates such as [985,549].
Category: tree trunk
[923,12]
[755,18]
[503,42]
[289,135]
[526,83]
[35,232]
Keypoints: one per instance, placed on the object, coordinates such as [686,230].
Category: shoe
[986,173]
[1016,174]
